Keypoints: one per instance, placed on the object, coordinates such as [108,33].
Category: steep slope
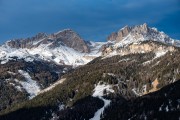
[140,33]
[138,39]
[68,37]
[65,48]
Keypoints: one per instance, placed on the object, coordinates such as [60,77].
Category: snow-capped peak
[64,47]
[138,33]
[67,47]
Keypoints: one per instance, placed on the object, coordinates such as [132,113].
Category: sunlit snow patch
[99,89]
[31,86]
[157,55]
[99,92]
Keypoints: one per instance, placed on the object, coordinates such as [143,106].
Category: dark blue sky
[92,19]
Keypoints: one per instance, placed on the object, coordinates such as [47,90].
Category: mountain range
[134,75]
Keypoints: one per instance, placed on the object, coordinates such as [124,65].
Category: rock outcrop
[118,36]
[138,33]
[138,39]
[66,37]
[143,47]
[26,43]
[72,40]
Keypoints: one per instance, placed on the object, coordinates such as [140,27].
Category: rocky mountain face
[72,40]
[142,47]
[140,33]
[67,37]
[138,39]
[26,43]
[118,36]
[135,75]
[64,47]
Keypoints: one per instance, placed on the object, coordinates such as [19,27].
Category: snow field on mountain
[59,55]
[99,89]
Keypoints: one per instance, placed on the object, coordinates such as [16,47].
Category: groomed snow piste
[99,92]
